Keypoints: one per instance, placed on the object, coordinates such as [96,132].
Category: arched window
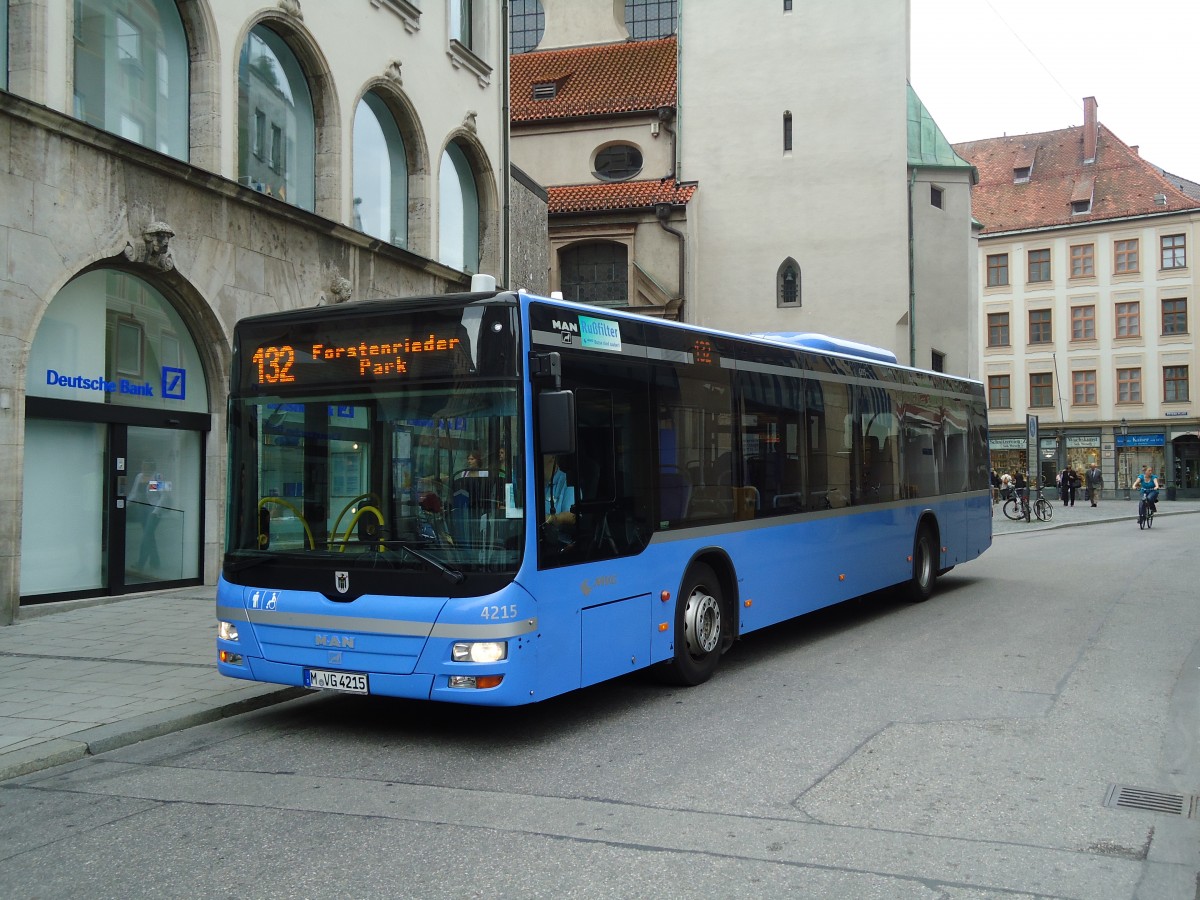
[380,173]
[787,287]
[131,72]
[276,134]
[458,212]
[649,19]
[596,272]
[526,25]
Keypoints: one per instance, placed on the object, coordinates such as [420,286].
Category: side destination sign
[599,334]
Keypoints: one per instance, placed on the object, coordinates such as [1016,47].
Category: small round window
[618,162]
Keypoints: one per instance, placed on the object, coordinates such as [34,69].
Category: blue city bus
[494,498]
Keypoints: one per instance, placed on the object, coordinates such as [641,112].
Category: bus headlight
[480,651]
[227,631]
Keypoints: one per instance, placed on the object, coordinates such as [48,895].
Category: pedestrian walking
[1064,486]
[1095,481]
[1074,483]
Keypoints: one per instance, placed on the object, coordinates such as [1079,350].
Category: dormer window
[545,90]
[1023,164]
[1081,196]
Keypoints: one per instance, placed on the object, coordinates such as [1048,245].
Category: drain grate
[1121,797]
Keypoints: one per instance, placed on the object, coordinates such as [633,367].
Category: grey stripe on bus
[687,531]
[317,621]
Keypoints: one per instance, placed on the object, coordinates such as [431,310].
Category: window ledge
[461,57]
[409,14]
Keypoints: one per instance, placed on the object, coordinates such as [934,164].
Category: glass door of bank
[108,508]
[162,505]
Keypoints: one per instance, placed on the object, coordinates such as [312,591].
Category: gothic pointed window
[788,284]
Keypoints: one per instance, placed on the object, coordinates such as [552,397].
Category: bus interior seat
[675,493]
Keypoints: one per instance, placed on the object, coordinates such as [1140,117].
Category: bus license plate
[324,680]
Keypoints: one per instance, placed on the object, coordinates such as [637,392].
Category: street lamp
[1125,454]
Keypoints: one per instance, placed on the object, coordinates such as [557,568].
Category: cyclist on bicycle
[1147,483]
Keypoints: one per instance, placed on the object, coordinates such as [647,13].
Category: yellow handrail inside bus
[262,537]
[354,521]
[338,521]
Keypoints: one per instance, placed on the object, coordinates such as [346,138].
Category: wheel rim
[702,622]
[924,564]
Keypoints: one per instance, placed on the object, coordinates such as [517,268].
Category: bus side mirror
[556,422]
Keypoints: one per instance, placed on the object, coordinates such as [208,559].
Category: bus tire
[925,567]
[700,628]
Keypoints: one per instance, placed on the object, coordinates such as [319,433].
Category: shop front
[116,413]
[1183,477]
[1135,451]
[1008,453]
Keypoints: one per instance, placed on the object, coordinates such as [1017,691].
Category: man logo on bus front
[341,581]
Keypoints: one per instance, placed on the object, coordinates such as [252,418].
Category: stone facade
[74,198]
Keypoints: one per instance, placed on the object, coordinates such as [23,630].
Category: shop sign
[1140,440]
[1006,443]
[1083,443]
[172,385]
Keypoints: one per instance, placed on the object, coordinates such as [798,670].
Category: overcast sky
[985,68]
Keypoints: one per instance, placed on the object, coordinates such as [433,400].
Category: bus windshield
[371,476]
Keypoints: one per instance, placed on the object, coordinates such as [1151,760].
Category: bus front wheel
[700,628]
[925,567]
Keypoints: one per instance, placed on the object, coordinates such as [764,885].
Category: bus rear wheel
[700,627]
[925,571]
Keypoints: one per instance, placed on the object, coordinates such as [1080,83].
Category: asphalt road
[960,748]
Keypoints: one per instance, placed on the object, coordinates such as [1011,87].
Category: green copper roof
[927,146]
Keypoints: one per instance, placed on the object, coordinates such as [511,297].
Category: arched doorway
[115,415]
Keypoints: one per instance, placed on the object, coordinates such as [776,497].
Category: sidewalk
[1082,513]
[82,679]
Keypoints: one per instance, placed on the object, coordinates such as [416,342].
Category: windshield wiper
[454,576]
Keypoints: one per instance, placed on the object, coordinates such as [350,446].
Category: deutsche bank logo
[174,383]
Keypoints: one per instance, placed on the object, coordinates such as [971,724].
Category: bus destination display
[297,364]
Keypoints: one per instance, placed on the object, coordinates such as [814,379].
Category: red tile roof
[583,198]
[594,81]
[1124,183]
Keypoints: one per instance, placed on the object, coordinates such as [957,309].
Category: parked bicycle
[1018,506]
